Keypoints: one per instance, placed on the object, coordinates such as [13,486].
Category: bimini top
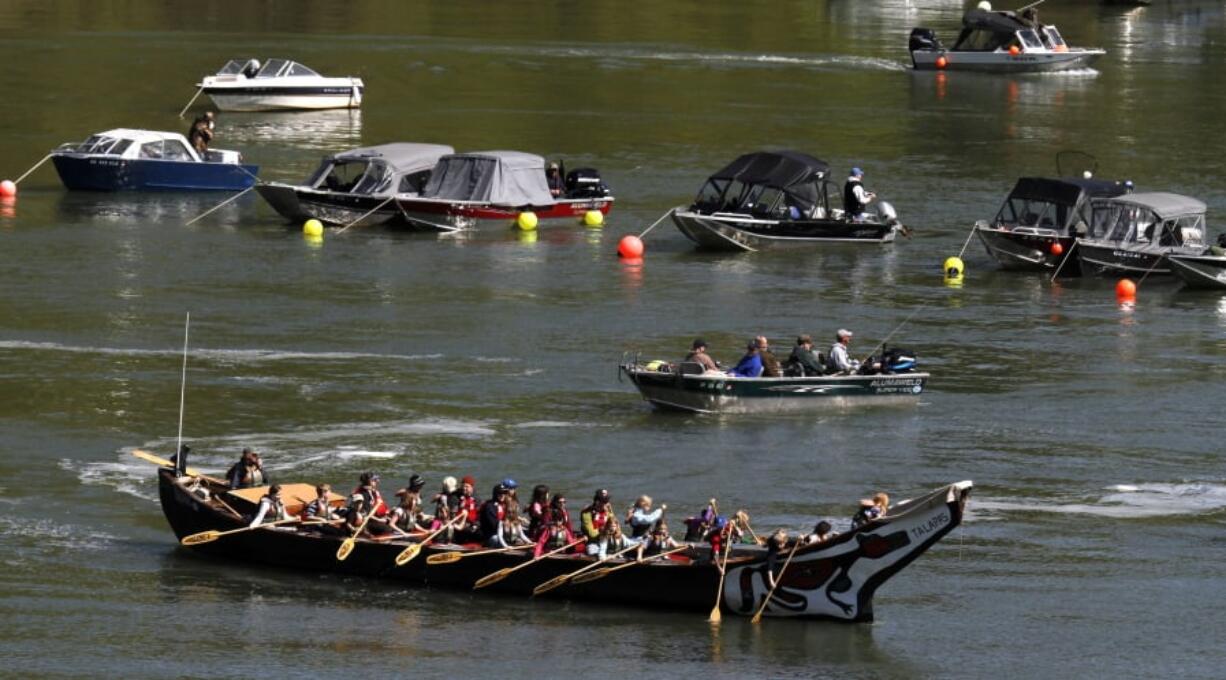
[1164,205]
[401,157]
[510,178]
[1064,190]
[779,169]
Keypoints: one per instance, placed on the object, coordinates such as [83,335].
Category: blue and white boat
[123,159]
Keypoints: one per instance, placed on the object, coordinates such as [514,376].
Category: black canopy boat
[686,387]
[1039,214]
[999,42]
[831,580]
[352,183]
[1134,234]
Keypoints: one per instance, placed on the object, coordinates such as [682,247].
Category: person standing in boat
[641,517]
[271,507]
[248,472]
[557,185]
[803,361]
[855,196]
[698,354]
[770,363]
[750,365]
[201,133]
[839,361]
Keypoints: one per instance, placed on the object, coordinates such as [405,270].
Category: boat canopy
[511,178]
[1156,218]
[986,31]
[764,182]
[283,68]
[129,143]
[1056,204]
[384,169]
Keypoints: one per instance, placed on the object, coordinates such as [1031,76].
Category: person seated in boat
[750,365]
[491,514]
[774,558]
[510,533]
[557,185]
[642,518]
[803,361]
[555,536]
[464,502]
[770,363]
[367,495]
[248,472]
[1219,249]
[610,541]
[855,196]
[822,532]
[871,509]
[407,516]
[698,354]
[271,507]
[721,534]
[512,501]
[320,508]
[697,527]
[538,511]
[838,360]
[659,540]
[595,516]
[558,511]
[201,133]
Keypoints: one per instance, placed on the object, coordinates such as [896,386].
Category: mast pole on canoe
[180,456]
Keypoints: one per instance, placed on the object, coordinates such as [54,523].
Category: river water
[1094,545]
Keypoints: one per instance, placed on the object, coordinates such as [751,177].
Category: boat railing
[1036,231]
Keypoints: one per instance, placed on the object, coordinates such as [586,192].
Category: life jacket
[557,538]
[468,505]
[851,205]
[319,508]
[373,499]
[599,518]
[276,508]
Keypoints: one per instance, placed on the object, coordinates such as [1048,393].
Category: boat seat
[690,368]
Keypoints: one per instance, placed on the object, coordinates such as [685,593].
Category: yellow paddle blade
[551,584]
[202,537]
[445,558]
[492,578]
[715,615]
[345,549]
[156,460]
[407,554]
[592,575]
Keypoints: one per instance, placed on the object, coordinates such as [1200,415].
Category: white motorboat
[278,85]
[999,42]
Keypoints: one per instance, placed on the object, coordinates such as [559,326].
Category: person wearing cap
[554,176]
[248,472]
[407,515]
[595,516]
[698,354]
[770,363]
[838,361]
[491,514]
[855,196]
[803,361]
[271,506]
[750,365]
[512,501]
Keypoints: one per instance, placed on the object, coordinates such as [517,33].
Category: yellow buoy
[526,221]
[593,218]
[954,269]
[313,227]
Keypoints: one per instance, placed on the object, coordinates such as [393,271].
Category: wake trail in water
[1123,501]
[218,355]
[825,61]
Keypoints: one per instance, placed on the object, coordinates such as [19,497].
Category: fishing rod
[896,329]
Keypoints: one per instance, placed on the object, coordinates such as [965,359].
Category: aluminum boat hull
[740,233]
[1003,62]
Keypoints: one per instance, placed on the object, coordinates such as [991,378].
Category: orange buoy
[1014,50]
[630,246]
[1057,249]
[8,188]
[942,62]
[1125,289]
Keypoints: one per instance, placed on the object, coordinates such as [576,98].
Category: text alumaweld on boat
[1135,234]
[833,580]
[278,85]
[358,183]
[124,159]
[467,189]
[685,386]
[999,42]
[778,198]
[1040,219]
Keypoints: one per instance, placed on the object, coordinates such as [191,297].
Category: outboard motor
[886,212]
[585,183]
[897,360]
[924,39]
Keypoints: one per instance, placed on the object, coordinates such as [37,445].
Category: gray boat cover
[510,178]
[1163,204]
[403,158]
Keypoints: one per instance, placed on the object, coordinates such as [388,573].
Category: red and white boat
[467,189]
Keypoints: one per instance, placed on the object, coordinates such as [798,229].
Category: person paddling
[641,517]
[271,507]
[407,515]
[557,535]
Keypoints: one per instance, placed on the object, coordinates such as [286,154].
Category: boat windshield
[1030,40]
[296,69]
[1054,39]
[759,200]
[273,68]
[376,178]
[232,67]
[103,145]
[1135,224]
[1028,212]
[348,177]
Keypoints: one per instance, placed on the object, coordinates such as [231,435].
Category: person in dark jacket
[492,512]
[750,365]
[803,361]
[855,196]
[201,133]
[248,472]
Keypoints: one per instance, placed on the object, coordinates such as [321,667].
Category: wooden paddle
[457,555]
[757,618]
[347,546]
[559,581]
[158,460]
[491,579]
[715,616]
[413,550]
[601,573]
[212,534]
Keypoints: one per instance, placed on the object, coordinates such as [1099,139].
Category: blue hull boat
[142,160]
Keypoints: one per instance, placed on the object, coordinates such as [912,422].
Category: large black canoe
[833,580]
